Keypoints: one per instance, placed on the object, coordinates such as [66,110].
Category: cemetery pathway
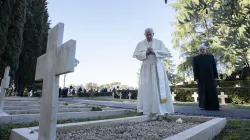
[193,110]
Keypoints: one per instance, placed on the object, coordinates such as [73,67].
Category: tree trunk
[20,86]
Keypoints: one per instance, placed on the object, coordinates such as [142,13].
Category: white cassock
[154,95]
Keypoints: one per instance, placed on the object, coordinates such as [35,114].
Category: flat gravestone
[4,85]
[59,59]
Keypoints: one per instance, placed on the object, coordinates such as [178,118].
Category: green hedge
[94,94]
[236,95]
[221,83]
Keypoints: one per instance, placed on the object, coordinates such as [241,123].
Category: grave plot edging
[27,118]
[204,131]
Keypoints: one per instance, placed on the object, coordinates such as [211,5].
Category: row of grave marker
[195,96]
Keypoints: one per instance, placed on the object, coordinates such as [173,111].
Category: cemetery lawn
[229,105]
[5,129]
[235,130]
[108,99]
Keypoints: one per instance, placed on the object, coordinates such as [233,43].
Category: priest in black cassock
[205,74]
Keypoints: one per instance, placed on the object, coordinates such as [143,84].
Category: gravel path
[152,130]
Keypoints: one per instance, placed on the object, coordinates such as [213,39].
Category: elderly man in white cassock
[154,95]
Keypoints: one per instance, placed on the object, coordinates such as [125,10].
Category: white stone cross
[129,96]
[4,85]
[113,94]
[173,96]
[237,85]
[120,95]
[59,59]
[222,96]
[195,96]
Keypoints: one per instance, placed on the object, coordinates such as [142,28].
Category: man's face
[202,51]
[149,35]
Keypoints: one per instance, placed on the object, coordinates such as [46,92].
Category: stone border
[25,103]
[37,111]
[27,118]
[22,99]
[204,131]
[33,107]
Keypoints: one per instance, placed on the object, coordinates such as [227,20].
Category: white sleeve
[139,53]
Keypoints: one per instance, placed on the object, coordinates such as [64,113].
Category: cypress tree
[5,13]
[35,40]
[14,36]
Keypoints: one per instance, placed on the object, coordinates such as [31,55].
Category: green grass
[236,106]
[235,130]
[65,103]
[5,129]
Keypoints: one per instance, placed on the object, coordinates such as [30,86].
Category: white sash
[161,82]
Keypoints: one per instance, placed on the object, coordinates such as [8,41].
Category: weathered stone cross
[4,85]
[129,96]
[120,95]
[173,96]
[222,96]
[195,96]
[59,59]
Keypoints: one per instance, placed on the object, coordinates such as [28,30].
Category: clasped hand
[150,51]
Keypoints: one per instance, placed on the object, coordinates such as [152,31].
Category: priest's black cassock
[204,68]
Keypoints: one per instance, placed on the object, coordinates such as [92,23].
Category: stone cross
[58,60]
[222,96]
[129,96]
[237,85]
[173,96]
[195,96]
[4,85]
[120,95]
[113,94]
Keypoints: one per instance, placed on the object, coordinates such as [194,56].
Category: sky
[106,34]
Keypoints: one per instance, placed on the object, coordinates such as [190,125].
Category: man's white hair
[202,47]
[149,30]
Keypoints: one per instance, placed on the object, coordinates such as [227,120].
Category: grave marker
[58,60]
[120,95]
[4,85]
[195,96]
[129,96]
[173,96]
[222,96]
